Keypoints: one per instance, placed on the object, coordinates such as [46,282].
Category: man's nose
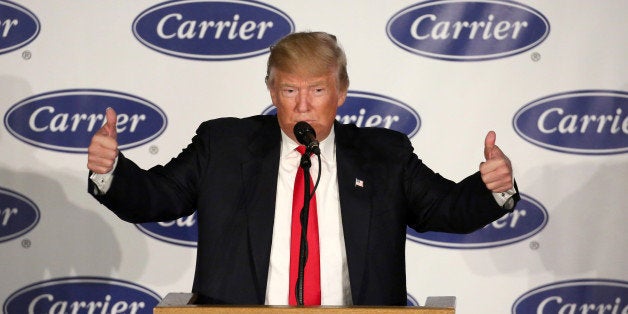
[303,102]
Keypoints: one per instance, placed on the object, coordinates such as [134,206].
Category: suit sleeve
[162,192]
[438,204]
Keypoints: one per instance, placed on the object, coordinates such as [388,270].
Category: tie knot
[301,149]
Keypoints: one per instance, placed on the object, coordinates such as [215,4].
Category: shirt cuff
[504,199]
[103,181]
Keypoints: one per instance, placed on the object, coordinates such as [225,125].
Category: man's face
[314,100]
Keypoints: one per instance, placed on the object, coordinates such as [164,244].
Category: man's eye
[289,91]
[319,90]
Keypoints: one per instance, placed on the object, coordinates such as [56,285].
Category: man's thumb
[489,144]
[112,119]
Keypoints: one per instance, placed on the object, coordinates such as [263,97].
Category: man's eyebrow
[312,84]
[317,83]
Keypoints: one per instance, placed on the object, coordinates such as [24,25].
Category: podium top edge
[184,303]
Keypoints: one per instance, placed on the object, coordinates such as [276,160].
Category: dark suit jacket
[229,173]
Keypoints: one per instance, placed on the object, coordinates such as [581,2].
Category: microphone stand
[306,163]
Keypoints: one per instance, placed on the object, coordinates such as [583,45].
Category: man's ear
[267,82]
[342,98]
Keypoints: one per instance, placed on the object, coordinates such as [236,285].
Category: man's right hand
[103,149]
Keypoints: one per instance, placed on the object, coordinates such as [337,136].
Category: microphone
[306,135]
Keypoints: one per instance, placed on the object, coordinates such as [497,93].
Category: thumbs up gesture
[496,171]
[103,149]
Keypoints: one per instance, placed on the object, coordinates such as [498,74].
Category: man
[239,176]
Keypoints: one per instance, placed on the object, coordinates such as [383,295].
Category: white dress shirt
[331,238]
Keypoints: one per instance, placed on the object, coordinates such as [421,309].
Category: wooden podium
[183,303]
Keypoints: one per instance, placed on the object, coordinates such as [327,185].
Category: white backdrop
[52,231]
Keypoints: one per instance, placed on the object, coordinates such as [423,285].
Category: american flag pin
[359,183]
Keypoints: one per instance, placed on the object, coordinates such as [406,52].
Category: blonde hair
[310,53]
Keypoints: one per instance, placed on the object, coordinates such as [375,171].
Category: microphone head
[301,130]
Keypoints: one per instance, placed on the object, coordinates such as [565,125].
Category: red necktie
[312,278]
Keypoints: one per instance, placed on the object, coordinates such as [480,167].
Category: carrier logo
[18,215]
[211,30]
[18,26]
[459,30]
[575,296]
[527,219]
[372,110]
[411,301]
[183,231]
[82,295]
[66,120]
[588,122]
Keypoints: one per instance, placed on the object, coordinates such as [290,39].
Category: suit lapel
[354,183]
[259,175]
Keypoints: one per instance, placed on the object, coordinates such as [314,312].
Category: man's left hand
[496,171]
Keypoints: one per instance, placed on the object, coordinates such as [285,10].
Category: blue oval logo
[575,296]
[183,231]
[211,30]
[18,26]
[66,120]
[366,109]
[18,215]
[527,219]
[587,122]
[411,301]
[459,30]
[82,295]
